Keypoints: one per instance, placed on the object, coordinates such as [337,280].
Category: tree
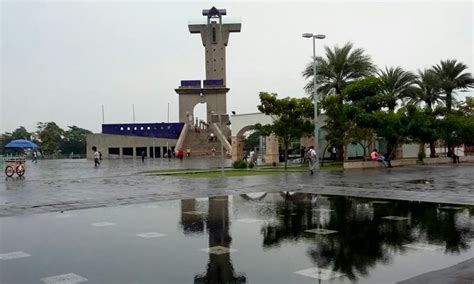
[429,93]
[392,126]
[422,127]
[253,140]
[427,90]
[338,68]
[19,133]
[396,84]
[74,140]
[337,124]
[292,118]
[452,77]
[49,136]
[335,71]
[364,97]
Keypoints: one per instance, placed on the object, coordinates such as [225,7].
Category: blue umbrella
[21,144]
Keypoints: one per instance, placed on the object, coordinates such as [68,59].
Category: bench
[376,164]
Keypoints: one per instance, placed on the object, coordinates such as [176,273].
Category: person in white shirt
[96,158]
[311,155]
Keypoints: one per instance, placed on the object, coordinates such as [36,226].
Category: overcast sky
[60,61]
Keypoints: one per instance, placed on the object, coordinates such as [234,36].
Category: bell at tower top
[213,18]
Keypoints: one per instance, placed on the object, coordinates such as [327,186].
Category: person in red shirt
[180,154]
[375,156]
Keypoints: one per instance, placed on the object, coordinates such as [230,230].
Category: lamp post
[315,96]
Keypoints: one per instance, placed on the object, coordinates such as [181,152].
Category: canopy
[21,144]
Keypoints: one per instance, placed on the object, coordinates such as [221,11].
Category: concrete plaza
[95,215]
[57,185]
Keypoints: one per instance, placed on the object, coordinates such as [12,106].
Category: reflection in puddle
[287,237]
[421,181]
[344,236]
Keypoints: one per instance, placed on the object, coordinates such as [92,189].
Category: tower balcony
[202,87]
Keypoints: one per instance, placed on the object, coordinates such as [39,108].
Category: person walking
[96,157]
[169,154]
[311,156]
[143,156]
[333,153]
[452,155]
[35,157]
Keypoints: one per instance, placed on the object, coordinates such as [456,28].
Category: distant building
[129,140]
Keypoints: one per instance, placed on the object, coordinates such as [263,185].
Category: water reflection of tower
[219,268]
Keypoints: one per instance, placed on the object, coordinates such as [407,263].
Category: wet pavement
[57,185]
[68,222]
[247,238]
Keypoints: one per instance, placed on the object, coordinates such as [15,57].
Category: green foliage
[251,165]
[292,118]
[74,140]
[427,90]
[357,107]
[451,76]
[457,129]
[19,133]
[421,156]
[239,164]
[392,127]
[339,67]
[50,136]
[337,124]
[253,140]
[396,84]
[367,95]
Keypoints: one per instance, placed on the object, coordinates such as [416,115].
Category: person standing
[333,153]
[180,154]
[169,154]
[311,159]
[96,158]
[143,156]
[35,157]
[453,155]
[302,153]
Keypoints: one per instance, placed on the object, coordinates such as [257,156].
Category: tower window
[214,37]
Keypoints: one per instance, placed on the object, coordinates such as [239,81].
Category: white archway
[200,111]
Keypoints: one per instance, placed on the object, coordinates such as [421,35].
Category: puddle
[421,181]
[254,238]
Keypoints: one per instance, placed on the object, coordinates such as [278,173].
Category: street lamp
[315,96]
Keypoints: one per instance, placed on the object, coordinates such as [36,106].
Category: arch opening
[200,112]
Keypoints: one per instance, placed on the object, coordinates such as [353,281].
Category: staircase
[200,145]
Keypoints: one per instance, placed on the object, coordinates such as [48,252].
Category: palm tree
[427,90]
[396,84]
[451,77]
[338,68]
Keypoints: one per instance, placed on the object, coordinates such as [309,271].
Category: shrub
[251,165]
[239,164]
[421,156]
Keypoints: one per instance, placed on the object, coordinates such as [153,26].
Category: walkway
[76,184]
